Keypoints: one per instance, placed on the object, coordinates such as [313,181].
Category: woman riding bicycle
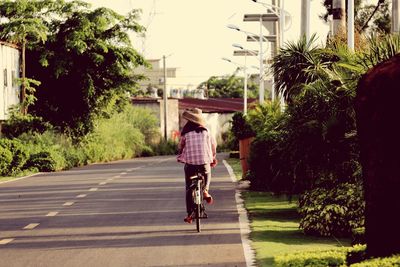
[197,149]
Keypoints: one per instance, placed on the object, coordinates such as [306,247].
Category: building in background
[155,77]
[9,73]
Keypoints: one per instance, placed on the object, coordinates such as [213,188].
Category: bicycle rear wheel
[198,214]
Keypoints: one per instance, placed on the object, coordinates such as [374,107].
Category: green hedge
[380,262]
[330,258]
[334,211]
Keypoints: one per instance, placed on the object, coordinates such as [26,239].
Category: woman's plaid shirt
[197,148]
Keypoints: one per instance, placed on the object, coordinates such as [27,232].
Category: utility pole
[339,16]
[395,16]
[165,100]
[305,19]
[350,24]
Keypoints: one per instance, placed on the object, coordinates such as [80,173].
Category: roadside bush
[356,254]
[19,154]
[330,258]
[332,212]
[18,124]
[241,128]
[146,121]
[43,161]
[46,145]
[114,138]
[6,158]
[358,236]
[380,262]
[169,147]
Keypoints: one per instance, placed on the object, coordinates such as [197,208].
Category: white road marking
[244,223]
[31,226]
[52,214]
[81,196]
[123,173]
[93,189]
[6,241]
[110,179]
[117,176]
[102,183]
[70,203]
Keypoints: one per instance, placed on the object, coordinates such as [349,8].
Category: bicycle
[197,188]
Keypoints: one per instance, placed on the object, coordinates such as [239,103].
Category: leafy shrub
[49,142]
[356,254]
[169,147]
[335,211]
[6,158]
[241,129]
[19,154]
[380,262]
[358,236]
[43,161]
[113,139]
[147,151]
[18,124]
[312,259]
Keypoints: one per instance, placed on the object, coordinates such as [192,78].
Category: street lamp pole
[261,40]
[244,68]
[350,24]
[262,89]
[165,100]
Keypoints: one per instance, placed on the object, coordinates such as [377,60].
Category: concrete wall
[157,107]
[9,71]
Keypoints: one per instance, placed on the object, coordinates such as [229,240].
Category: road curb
[20,178]
[244,222]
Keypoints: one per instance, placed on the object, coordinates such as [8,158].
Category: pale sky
[194,32]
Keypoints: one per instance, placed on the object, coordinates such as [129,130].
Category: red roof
[215,105]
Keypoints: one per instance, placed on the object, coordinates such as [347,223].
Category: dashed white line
[102,183]
[117,176]
[31,226]
[123,173]
[52,214]
[81,196]
[6,241]
[93,189]
[69,203]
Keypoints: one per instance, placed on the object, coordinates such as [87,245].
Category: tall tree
[22,24]
[86,65]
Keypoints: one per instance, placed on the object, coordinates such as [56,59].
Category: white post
[350,24]
[282,22]
[395,16]
[261,91]
[338,10]
[305,19]
[245,85]
[165,100]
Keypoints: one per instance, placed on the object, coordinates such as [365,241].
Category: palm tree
[292,66]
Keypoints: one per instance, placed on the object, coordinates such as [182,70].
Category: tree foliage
[85,66]
[379,14]
[229,86]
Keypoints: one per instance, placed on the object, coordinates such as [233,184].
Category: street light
[261,40]
[282,15]
[245,82]
[258,38]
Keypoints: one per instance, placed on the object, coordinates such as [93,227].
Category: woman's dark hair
[192,126]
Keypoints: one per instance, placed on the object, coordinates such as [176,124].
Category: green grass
[275,228]
[275,225]
[236,166]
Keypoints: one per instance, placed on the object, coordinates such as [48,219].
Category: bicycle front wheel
[198,214]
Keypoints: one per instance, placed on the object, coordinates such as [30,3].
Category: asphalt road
[125,213]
